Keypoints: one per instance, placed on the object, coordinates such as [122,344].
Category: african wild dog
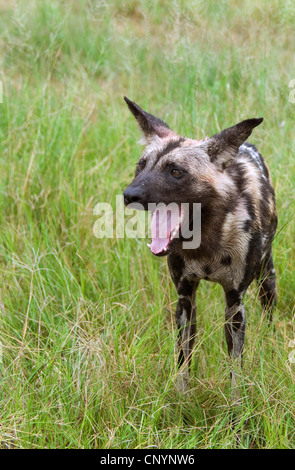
[230,179]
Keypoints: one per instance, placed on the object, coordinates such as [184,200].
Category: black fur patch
[252,261]
[237,320]
[226,260]
[176,267]
[247,225]
[233,297]
[250,206]
[238,175]
[185,288]
[169,147]
[207,269]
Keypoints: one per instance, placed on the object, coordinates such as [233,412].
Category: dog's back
[239,232]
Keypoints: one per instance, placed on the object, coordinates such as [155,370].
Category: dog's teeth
[174,231]
[148,245]
[165,248]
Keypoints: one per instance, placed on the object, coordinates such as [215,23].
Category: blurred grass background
[87,325]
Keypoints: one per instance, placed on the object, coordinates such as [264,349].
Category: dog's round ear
[151,126]
[223,147]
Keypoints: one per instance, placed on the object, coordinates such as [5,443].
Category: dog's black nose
[132,195]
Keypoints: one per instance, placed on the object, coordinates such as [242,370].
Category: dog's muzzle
[134,195]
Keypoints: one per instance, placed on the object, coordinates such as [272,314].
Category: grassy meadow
[87,334]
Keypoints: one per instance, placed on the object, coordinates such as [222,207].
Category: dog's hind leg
[235,324]
[267,285]
[186,324]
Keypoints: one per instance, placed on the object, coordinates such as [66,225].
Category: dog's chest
[221,270]
[210,271]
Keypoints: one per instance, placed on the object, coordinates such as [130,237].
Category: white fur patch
[255,156]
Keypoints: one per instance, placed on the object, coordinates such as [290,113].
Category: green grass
[87,325]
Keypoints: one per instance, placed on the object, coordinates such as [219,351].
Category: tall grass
[86,325]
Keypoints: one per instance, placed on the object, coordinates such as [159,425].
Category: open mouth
[165,228]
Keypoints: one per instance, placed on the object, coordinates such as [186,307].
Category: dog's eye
[176,172]
[140,166]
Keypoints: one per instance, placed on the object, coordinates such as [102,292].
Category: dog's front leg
[186,324]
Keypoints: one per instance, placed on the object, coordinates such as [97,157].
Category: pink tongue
[164,220]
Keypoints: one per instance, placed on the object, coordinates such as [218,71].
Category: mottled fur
[230,179]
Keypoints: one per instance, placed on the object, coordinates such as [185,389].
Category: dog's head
[177,170]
